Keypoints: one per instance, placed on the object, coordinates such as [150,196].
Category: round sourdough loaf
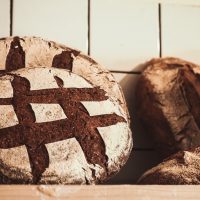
[57,127]
[181,168]
[168,103]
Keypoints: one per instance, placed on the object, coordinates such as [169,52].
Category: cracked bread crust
[168,104]
[50,132]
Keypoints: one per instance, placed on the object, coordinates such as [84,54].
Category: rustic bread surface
[179,169]
[168,104]
[56,127]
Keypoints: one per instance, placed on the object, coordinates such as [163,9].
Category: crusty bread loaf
[56,127]
[73,164]
[168,104]
[181,168]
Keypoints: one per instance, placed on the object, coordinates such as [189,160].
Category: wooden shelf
[100,192]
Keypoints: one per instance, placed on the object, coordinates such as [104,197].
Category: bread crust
[179,169]
[168,104]
[33,53]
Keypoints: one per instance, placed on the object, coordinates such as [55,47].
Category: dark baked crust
[30,52]
[36,135]
[180,169]
[78,123]
[16,56]
[168,104]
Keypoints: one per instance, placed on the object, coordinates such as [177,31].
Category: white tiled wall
[120,35]
[124,34]
[4,18]
[64,21]
[181,31]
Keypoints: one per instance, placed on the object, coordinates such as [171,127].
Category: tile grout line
[88,23]
[11,17]
[160,29]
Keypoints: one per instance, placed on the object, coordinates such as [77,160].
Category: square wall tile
[124,34]
[181,31]
[64,21]
[4,18]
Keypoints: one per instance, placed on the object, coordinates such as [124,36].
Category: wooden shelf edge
[99,192]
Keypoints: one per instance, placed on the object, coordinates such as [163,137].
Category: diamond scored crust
[77,96]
